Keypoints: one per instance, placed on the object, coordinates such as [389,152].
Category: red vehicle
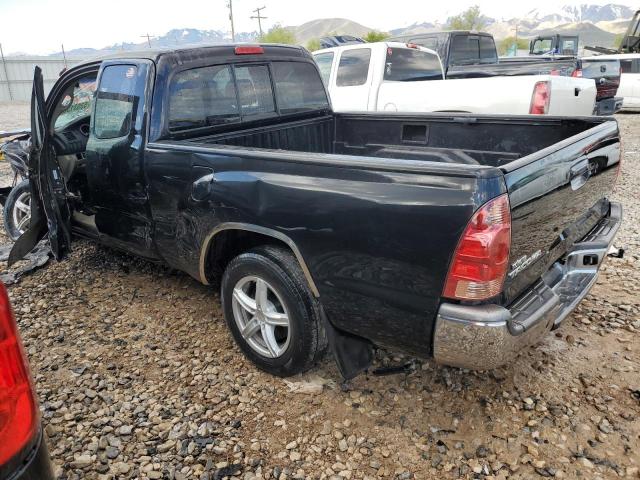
[23,451]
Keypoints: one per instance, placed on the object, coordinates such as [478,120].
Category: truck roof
[193,52]
[440,32]
[385,44]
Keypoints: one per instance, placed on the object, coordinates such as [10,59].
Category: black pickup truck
[467,54]
[460,237]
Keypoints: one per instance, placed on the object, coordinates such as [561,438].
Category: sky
[41,26]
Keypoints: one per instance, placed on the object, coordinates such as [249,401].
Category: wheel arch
[216,252]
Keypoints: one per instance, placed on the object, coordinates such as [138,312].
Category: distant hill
[417,28]
[580,13]
[328,26]
[595,24]
[588,32]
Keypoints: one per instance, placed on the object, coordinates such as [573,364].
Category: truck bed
[464,139]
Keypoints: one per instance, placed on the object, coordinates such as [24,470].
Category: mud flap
[353,354]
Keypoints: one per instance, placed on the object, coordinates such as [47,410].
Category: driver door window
[116,102]
[75,103]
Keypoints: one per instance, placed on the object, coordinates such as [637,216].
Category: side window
[464,50]
[254,90]
[488,53]
[75,103]
[354,67]
[116,101]
[202,97]
[324,61]
[409,64]
[636,66]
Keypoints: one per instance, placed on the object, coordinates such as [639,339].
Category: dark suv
[23,452]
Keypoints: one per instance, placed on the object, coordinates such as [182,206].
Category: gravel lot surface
[138,377]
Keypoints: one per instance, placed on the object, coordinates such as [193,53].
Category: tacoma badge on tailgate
[523,262]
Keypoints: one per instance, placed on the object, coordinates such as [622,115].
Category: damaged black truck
[459,237]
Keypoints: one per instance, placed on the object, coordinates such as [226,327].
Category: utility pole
[259,18]
[148,37]
[64,56]
[233,31]
[6,74]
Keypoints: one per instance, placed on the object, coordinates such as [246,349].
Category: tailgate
[606,73]
[557,196]
[571,96]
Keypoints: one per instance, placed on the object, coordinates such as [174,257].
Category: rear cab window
[353,68]
[541,45]
[472,49]
[227,94]
[203,97]
[298,87]
[465,50]
[410,64]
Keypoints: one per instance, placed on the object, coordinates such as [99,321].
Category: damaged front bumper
[482,337]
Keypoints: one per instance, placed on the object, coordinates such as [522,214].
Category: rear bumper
[483,337]
[608,106]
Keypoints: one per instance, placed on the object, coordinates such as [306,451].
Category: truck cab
[554,45]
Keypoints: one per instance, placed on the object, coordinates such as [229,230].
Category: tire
[14,210]
[272,348]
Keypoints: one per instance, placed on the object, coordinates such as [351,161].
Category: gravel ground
[138,377]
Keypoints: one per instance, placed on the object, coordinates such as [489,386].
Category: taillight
[18,412]
[577,73]
[412,45]
[540,99]
[481,258]
[249,50]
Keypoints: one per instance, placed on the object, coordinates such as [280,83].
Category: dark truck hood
[557,196]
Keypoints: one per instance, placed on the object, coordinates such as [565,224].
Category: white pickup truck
[391,76]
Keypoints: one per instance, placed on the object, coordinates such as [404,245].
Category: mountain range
[596,25]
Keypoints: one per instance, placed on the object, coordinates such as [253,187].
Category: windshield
[409,65]
[75,103]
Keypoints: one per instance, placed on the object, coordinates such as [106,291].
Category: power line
[259,18]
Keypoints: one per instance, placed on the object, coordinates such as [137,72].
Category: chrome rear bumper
[482,337]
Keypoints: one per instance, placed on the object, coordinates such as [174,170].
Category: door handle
[203,183]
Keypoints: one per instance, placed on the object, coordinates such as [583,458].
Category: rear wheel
[17,210]
[271,311]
